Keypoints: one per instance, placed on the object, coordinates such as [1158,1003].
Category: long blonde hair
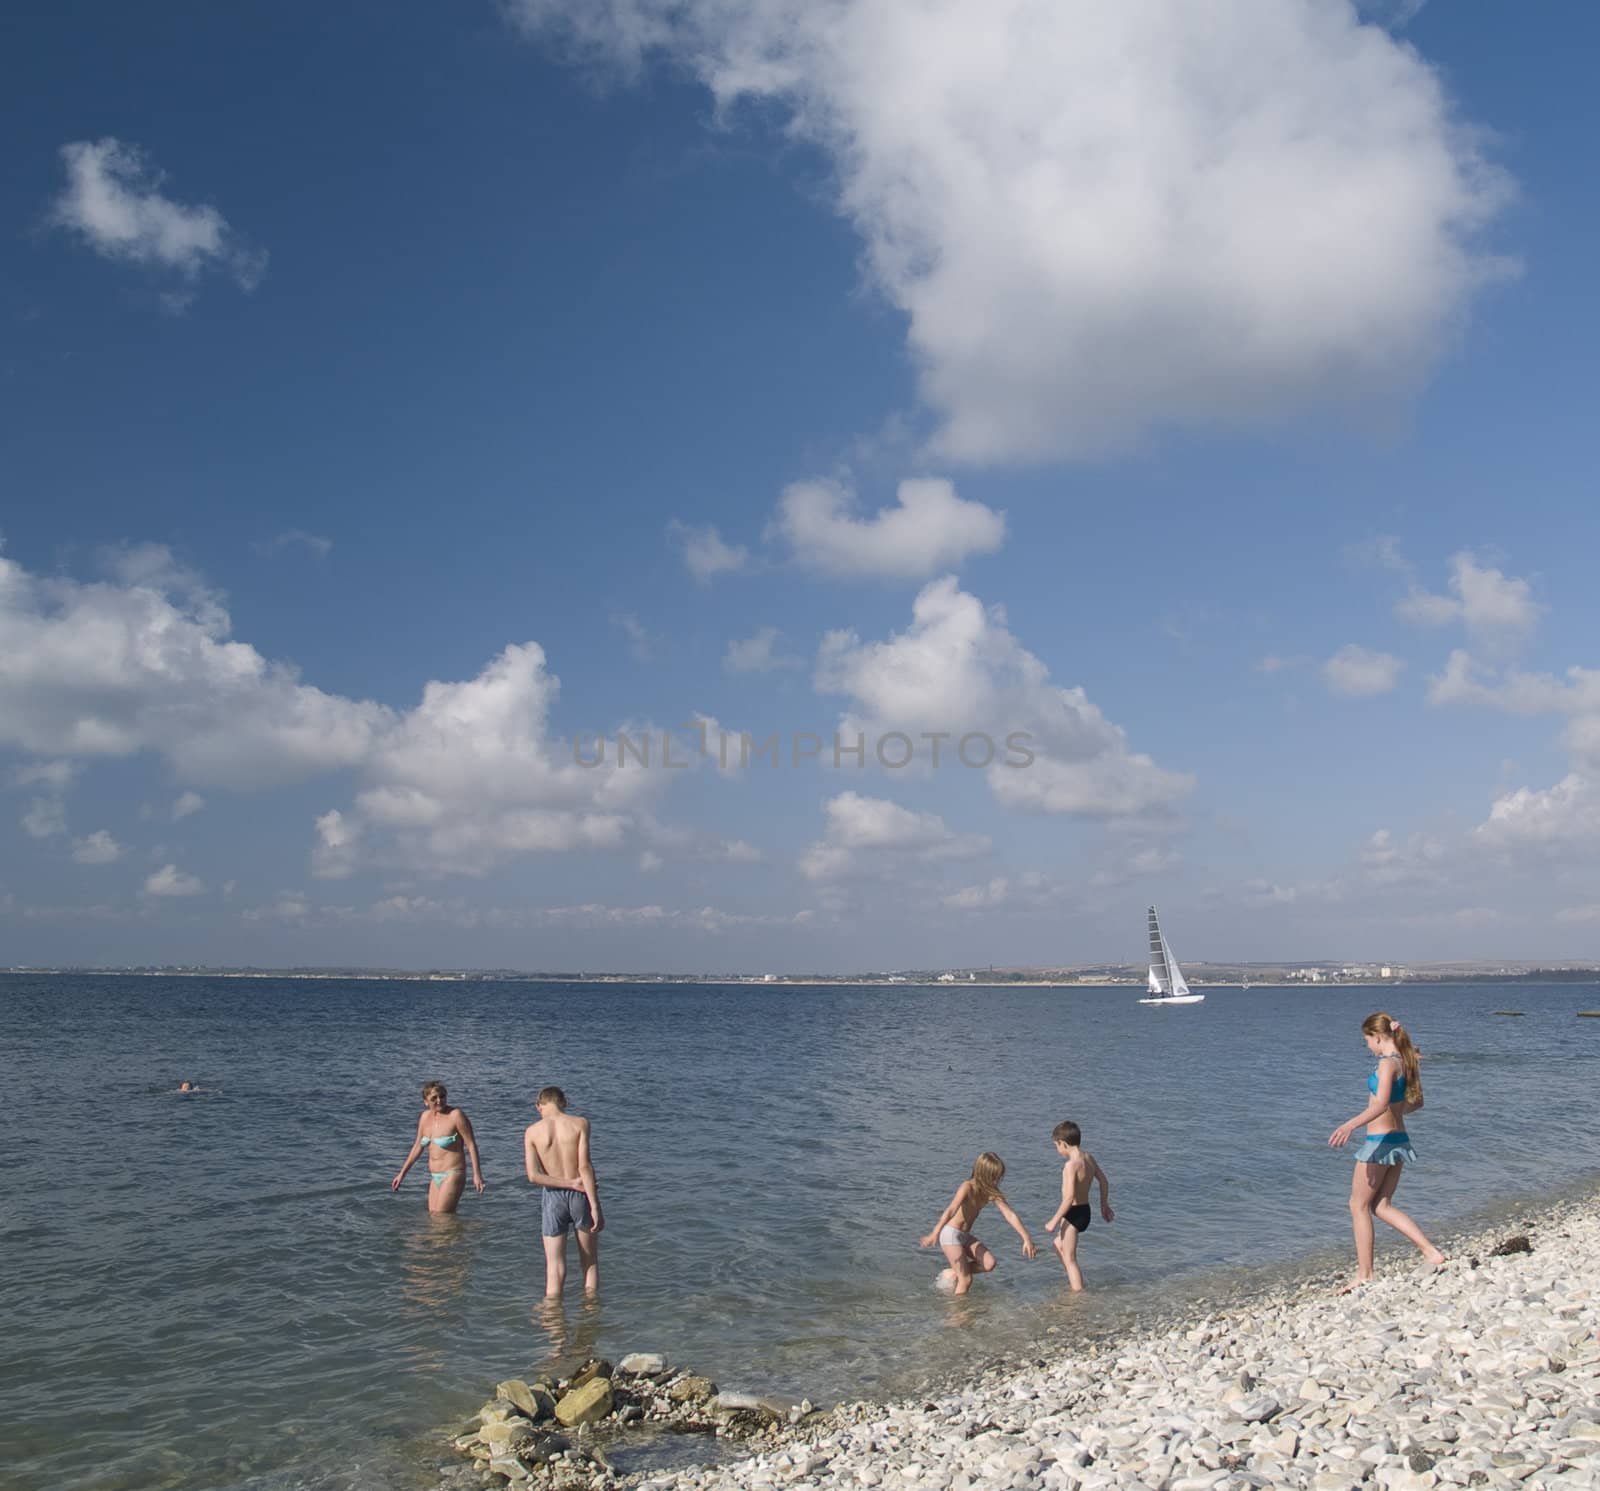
[988,1170]
[1381,1026]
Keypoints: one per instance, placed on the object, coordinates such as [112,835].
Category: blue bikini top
[445,1139]
[1397,1093]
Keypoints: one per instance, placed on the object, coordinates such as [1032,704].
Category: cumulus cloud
[1358,672]
[982,897]
[757,654]
[313,544]
[706,554]
[44,818]
[187,804]
[169,881]
[1561,819]
[929,529]
[1497,609]
[1100,220]
[958,670]
[641,644]
[869,832]
[143,661]
[98,848]
[113,201]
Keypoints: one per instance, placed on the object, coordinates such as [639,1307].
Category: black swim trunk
[1078,1218]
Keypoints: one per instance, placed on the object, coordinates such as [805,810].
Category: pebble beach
[1484,1373]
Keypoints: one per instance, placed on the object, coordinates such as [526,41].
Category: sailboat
[1167,985]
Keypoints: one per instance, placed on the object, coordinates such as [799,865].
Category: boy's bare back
[1077,1175]
[561,1141]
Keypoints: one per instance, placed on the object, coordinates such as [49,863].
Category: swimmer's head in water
[186,1087]
[431,1089]
[987,1172]
[554,1096]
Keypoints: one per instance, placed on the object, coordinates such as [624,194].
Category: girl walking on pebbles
[1396,1089]
[953,1230]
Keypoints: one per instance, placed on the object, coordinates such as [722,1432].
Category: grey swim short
[562,1210]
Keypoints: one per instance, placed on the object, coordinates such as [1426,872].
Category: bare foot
[1355,1284]
[1436,1259]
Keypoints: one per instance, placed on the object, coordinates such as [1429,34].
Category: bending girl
[953,1230]
[1396,1089]
[449,1131]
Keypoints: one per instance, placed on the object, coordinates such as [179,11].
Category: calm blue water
[221,1291]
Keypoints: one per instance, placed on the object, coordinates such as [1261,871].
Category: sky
[984,466]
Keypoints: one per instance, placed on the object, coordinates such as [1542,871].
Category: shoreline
[1265,1383]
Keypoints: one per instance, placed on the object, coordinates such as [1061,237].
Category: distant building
[1386,972]
[947,978]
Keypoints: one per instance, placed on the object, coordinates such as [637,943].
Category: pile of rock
[556,1432]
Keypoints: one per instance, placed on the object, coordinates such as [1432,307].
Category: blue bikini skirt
[1386,1149]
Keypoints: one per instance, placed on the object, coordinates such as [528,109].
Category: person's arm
[1066,1198]
[1028,1249]
[469,1140]
[1104,1182]
[945,1216]
[1375,1109]
[411,1158]
[537,1175]
[590,1186]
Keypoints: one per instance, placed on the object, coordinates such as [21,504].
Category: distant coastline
[1294,976]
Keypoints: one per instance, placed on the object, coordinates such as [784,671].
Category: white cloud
[1358,672]
[706,555]
[1498,610]
[1275,663]
[641,645]
[1151,860]
[650,861]
[981,897]
[143,661]
[958,671]
[1101,220]
[56,775]
[45,818]
[314,544]
[928,530]
[187,804]
[756,655]
[292,907]
[337,846]
[99,848]
[861,831]
[169,880]
[113,201]
[1560,820]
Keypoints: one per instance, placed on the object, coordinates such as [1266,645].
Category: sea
[221,1291]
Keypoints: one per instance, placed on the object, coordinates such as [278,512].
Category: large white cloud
[957,670]
[929,529]
[143,661]
[114,202]
[1100,218]
[865,833]
[1498,609]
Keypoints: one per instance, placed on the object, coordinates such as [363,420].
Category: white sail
[1176,984]
[1159,983]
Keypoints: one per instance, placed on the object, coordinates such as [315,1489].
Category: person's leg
[1364,1185]
[960,1266]
[983,1261]
[1385,1210]
[1069,1256]
[444,1195]
[589,1258]
[555,1265]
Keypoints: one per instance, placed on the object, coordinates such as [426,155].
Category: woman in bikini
[449,1131]
[1396,1089]
[953,1230]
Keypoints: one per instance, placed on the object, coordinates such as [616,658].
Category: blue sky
[393,393]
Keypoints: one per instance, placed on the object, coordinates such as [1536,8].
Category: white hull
[1175,999]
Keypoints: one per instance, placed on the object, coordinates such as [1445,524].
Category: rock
[509,1468]
[642,1364]
[585,1404]
[1517,1244]
[508,1434]
[1259,1409]
[498,1411]
[596,1366]
[632,1414]
[533,1401]
[692,1389]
